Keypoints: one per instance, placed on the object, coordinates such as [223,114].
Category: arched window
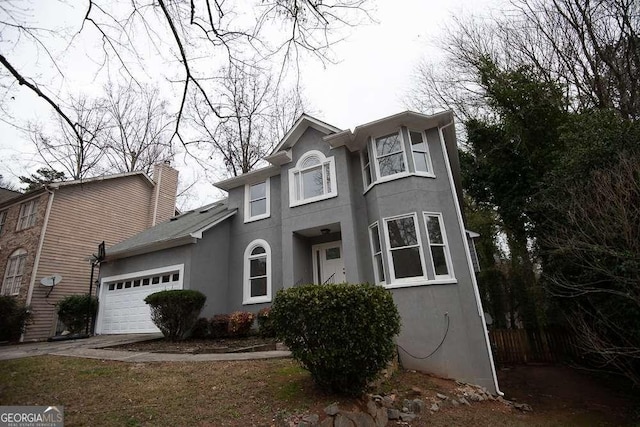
[257,272]
[14,272]
[313,179]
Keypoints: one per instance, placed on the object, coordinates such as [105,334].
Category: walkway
[93,348]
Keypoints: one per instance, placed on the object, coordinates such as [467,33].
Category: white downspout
[466,250]
[157,196]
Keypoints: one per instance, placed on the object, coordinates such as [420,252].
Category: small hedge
[76,311]
[219,326]
[265,324]
[175,312]
[14,317]
[201,329]
[240,323]
[342,333]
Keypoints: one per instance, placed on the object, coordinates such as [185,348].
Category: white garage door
[122,307]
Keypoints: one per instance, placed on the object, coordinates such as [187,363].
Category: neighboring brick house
[55,229]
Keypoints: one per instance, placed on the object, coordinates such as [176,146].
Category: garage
[122,309]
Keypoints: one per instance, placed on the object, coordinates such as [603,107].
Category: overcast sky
[372,76]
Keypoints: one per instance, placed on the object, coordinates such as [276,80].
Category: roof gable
[298,129]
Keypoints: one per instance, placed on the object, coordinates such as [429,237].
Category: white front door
[328,263]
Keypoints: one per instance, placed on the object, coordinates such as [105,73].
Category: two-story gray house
[379,204]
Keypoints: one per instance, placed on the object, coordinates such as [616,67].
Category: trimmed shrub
[240,323]
[265,325]
[342,333]
[219,326]
[201,330]
[76,311]
[14,317]
[176,311]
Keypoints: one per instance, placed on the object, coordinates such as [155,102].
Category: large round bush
[175,312]
[343,333]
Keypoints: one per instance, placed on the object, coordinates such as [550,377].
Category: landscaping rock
[464,401]
[441,396]
[417,390]
[327,422]
[523,407]
[310,420]
[393,414]
[455,402]
[342,421]
[417,406]
[358,419]
[331,410]
[389,400]
[434,408]
[407,416]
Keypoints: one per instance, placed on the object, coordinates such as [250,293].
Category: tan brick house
[55,229]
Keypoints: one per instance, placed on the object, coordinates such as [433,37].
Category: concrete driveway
[94,348]
[17,351]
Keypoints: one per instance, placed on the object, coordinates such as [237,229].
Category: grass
[243,393]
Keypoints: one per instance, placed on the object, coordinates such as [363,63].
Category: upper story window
[421,157]
[313,179]
[257,203]
[27,217]
[387,157]
[3,219]
[404,249]
[390,157]
[437,238]
[257,272]
[376,252]
[14,272]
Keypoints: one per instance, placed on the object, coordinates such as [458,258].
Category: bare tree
[255,116]
[179,33]
[595,246]
[592,49]
[76,150]
[139,134]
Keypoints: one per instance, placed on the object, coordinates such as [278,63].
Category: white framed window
[14,272]
[404,250]
[439,248]
[376,253]
[366,167]
[257,201]
[390,158]
[313,179]
[420,152]
[27,217]
[257,273]
[3,219]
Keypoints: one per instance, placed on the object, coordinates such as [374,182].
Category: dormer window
[256,201]
[313,179]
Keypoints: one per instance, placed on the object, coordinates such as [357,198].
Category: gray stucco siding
[209,268]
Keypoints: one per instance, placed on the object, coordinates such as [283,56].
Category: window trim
[376,224]
[246,291]
[293,200]
[364,167]
[411,281]
[247,201]
[445,244]
[3,220]
[19,256]
[31,215]
[406,172]
[430,172]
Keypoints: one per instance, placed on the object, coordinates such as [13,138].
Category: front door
[328,263]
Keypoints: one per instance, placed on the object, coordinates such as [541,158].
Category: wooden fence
[518,346]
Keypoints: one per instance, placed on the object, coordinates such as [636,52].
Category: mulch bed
[226,345]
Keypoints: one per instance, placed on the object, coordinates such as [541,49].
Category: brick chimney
[163,203]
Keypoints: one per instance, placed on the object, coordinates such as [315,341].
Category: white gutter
[468,254]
